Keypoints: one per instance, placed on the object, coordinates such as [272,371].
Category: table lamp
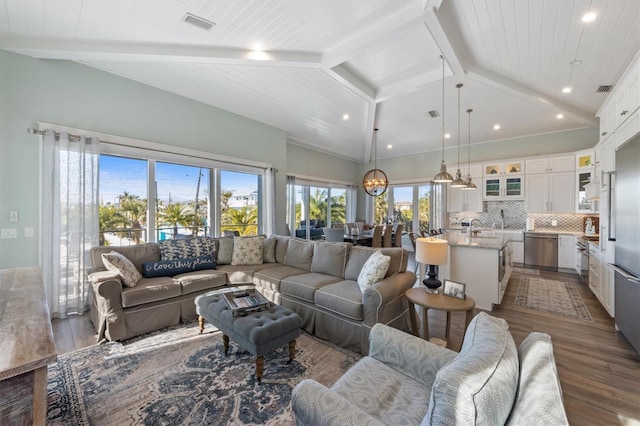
[432,252]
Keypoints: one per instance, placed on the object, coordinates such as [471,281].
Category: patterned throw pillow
[247,250]
[185,248]
[374,270]
[169,268]
[119,263]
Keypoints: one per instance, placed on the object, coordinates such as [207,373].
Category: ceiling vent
[604,89]
[198,21]
[434,114]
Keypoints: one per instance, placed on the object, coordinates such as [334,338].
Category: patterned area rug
[178,377]
[529,271]
[555,297]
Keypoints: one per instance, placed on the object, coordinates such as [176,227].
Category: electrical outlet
[9,233]
[554,223]
[28,232]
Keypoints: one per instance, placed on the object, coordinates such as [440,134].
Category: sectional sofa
[316,279]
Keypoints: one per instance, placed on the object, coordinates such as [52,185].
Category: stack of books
[241,302]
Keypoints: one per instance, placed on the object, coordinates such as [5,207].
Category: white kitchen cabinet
[585,160]
[607,277]
[549,192]
[584,177]
[626,97]
[566,251]
[565,163]
[517,256]
[594,270]
[503,188]
[460,200]
[507,168]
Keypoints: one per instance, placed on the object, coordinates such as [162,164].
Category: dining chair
[397,238]
[376,237]
[413,237]
[386,236]
[333,234]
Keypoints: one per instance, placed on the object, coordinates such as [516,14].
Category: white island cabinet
[478,262]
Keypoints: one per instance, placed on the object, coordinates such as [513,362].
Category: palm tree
[246,218]
[177,214]
[381,208]
[338,209]
[318,205]
[111,219]
[135,209]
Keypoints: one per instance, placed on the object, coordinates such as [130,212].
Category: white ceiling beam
[371,124]
[412,84]
[111,51]
[432,23]
[521,91]
[372,35]
[351,81]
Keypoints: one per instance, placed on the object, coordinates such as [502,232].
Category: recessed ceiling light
[447,135]
[496,127]
[560,116]
[589,17]
[389,146]
[566,89]
[345,117]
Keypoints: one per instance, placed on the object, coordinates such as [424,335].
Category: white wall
[307,162]
[74,95]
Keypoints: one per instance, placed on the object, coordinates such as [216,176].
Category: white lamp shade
[430,251]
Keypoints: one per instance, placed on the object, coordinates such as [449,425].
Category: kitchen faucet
[471,231]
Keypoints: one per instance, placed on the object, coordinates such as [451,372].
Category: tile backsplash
[516,218]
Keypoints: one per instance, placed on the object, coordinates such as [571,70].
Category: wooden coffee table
[420,297]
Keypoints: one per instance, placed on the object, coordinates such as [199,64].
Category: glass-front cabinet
[583,205]
[503,188]
[508,168]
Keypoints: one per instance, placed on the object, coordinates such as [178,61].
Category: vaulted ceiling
[301,65]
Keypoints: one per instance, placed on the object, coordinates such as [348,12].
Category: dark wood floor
[599,370]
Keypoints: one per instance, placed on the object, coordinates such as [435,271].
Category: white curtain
[69,219]
[291,205]
[270,201]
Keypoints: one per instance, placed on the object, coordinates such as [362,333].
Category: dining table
[360,239]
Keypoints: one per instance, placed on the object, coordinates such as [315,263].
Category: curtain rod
[33,131]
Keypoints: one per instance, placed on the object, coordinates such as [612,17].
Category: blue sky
[119,174]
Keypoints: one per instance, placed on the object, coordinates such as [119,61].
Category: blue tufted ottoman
[257,332]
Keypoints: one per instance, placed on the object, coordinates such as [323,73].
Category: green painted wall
[307,162]
[74,95]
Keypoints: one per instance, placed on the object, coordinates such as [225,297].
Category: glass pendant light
[443,176]
[459,182]
[375,181]
[469,184]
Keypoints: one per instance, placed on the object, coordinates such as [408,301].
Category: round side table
[419,297]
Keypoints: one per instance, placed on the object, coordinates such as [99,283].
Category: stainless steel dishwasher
[541,250]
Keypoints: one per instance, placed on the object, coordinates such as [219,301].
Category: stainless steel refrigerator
[627,234]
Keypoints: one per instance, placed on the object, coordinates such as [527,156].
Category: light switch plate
[13,215]
[9,233]
[28,232]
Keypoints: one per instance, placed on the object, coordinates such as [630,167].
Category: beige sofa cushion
[299,254]
[330,258]
[271,278]
[243,274]
[479,386]
[136,254]
[304,286]
[282,243]
[343,297]
[150,290]
[118,262]
[192,282]
[269,250]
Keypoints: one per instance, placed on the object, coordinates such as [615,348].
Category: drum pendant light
[375,181]
[443,176]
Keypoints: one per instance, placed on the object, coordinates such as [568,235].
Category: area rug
[178,377]
[529,271]
[551,296]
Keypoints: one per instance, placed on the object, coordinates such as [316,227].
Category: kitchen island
[482,263]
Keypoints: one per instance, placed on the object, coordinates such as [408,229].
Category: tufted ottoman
[257,332]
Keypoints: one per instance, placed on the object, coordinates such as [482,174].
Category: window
[180,206]
[408,204]
[312,206]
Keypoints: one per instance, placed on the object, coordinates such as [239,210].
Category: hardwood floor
[599,370]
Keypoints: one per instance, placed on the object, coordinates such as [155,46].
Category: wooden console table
[27,347]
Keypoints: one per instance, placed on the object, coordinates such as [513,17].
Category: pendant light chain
[442,57]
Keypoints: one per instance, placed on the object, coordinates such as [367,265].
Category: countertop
[461,240]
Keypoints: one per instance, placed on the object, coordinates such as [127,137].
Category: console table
[27,347]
